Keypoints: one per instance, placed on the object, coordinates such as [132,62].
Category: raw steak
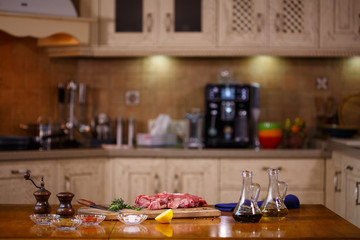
[168,200]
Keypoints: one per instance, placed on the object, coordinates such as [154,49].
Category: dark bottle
[247,210]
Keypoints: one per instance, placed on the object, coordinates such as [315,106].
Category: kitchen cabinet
[305,177]
[335,183]
[340,23]
[83,177]
[16,190]
[352,190]
[264,23]
[157,23]
[133,177]
[194,176]
[344,192]
[223,28]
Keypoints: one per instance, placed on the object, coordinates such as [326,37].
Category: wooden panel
[294,23]
[243,23]
[132,177]
[340,23]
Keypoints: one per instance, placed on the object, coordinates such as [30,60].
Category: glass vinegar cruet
[273,208]
[247,210]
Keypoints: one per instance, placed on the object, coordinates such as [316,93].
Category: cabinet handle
[357,193]
[278,22]
[19,171]
[266,168]
[336,181]
[156,184]
[67,184]
[168,22]
[259,22]
[349,168]
[149,22]
[176,183]
[359,24]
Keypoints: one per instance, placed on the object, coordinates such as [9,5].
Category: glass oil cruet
[247,210]
[273,208]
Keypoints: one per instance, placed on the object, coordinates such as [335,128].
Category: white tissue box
[148,140]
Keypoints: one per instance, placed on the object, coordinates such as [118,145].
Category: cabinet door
[128,23]
[134,177]
[198,177]
[305,177]
[187,23]
[294,23]
[243,23]
[340,23]
[339,184]
[335,192]
[16,190]
[352,189]
[84,178]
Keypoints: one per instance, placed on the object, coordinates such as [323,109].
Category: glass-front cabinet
[150,23]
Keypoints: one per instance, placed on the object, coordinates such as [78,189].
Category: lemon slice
[165,217]
[165,229]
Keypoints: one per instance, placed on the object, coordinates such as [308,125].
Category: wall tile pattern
[29,79]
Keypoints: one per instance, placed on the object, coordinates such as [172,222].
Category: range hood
[43,19]
[46,7]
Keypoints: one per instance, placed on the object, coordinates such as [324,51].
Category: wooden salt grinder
[65,208]
[42,195]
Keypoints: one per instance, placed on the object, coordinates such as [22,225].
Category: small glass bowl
[43,219]
[91,220]
[66,223]
[132,219]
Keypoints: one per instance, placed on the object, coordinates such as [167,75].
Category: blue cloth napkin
[291,202]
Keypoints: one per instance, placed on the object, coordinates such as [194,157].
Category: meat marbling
[168,200]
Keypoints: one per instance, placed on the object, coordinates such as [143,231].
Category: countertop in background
[165,153]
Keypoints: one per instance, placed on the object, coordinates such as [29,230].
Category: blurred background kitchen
[51,79]
[172,85]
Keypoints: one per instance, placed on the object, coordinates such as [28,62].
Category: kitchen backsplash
[29,79]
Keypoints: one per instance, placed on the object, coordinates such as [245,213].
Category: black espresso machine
[231,114]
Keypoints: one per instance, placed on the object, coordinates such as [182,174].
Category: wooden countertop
[310,221]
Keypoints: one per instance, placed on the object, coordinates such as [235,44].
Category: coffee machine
[229,115]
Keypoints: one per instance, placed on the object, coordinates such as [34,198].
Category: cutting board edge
[177,213]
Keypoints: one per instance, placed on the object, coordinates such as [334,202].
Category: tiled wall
[28,84]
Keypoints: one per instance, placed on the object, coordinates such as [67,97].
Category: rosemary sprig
[119,204]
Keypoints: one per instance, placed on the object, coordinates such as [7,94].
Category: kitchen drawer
[305,177]
[16,190]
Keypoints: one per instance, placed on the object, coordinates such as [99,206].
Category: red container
[270,142]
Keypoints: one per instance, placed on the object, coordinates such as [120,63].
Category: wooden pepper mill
[65,208]
[42,195]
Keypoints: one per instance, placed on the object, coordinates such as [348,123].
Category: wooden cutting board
[178,213]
